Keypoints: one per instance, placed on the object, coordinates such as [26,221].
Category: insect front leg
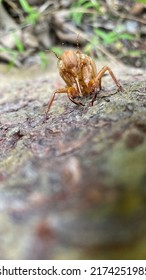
[75,101]
[100,75]
[72,94]
[96,91]
[60,90]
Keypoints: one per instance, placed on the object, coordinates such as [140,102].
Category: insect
[79,72]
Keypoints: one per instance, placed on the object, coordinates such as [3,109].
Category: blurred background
[103,27]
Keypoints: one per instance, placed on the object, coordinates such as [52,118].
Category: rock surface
[72,186]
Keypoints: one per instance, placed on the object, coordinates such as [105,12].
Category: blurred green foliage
[32,13]
[141,1]
[111,37]
[12,54]
[18,43]
[43,59]
[80,7]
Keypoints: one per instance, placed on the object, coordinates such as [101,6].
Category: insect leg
[72,94]
[75,102]
[101,73]
[94,96]
[61,90]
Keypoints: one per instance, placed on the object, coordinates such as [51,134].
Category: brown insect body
[79,72]
[77,69]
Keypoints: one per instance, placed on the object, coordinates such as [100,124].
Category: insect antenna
[54,53]
[78,47]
